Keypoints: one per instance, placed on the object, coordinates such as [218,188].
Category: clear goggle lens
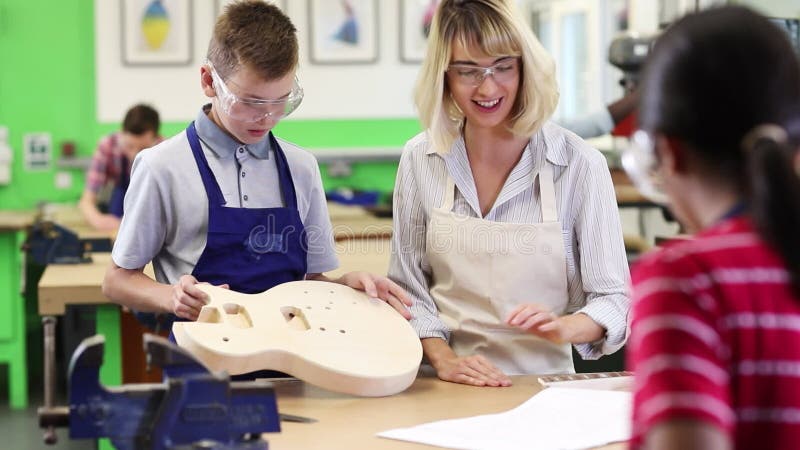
[641,165]
[255,110]
[468,74]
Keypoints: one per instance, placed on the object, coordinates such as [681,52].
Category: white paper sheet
[553,419]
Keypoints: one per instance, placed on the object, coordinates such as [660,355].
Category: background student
[506,229]
[603,121]
[715,340]
[111,165]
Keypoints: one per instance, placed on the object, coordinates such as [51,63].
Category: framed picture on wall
[343,31]
[221,4]
[156,32]
[415,24]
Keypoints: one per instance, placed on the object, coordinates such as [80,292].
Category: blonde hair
[493,27]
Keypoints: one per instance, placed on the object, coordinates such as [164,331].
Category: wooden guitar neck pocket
[237,316]
[295,318]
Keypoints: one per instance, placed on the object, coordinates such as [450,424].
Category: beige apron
[483,269]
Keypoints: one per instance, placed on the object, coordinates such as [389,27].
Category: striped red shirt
[715,337]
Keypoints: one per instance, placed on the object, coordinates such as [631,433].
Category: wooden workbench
[63,285]
[346,422]
[74,284]
[355,222]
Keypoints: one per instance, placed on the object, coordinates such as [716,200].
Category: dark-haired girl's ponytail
[774,194]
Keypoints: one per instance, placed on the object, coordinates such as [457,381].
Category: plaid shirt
[107,163]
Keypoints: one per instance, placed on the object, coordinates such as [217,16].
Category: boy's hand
[379,287]
[187,299]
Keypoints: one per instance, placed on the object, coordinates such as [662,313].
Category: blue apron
[117,200]
[250,249]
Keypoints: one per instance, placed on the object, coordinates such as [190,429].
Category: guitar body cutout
[324,333]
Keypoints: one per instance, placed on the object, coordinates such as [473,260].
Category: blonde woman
[507,233]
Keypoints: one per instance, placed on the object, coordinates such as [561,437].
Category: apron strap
[125,174]
[215,197]
[284,174]
[547,193]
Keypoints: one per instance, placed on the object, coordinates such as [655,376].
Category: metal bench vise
[198,409]
[50,243]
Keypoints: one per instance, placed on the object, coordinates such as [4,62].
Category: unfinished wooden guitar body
[324,333]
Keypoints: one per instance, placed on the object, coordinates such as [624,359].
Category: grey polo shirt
[166,206]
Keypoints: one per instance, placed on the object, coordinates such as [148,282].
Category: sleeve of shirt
[676,351]
[319,233]
[591,125]
[98,173]
[144,225]
[604,265]
[408,251]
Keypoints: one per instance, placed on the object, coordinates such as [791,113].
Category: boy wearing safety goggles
[225,202]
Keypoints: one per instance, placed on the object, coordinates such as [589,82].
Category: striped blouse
[597,269]
[716,338]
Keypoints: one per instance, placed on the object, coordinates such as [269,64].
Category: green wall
[47,84]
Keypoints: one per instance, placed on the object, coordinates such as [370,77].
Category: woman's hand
[538,320]
[573,328]
[474,370]
[379,287]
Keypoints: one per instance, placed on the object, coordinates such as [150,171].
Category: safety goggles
[641,164]
[255,110]
[471,75]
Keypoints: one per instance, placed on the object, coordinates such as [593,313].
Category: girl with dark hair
[715,340]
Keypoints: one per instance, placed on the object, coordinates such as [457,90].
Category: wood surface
[368,255]
[66,215]
[346,422]
[355,222]
[16,220]
[75,284]
[328,334]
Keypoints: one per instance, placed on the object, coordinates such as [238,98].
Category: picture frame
[156,32]
[343,31]
[415,20]
[221,4]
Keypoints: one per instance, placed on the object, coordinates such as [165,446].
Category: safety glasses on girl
[255,110]
[641,164]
